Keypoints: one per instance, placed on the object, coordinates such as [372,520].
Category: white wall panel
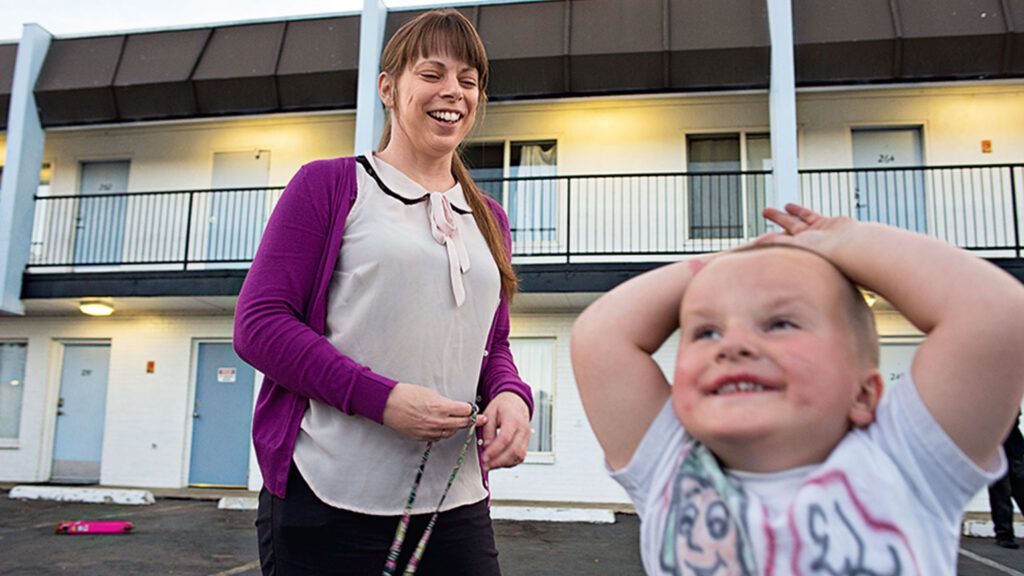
[179,156]
[577,472]
[146,431]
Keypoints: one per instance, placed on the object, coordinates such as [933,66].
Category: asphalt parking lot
[194,537]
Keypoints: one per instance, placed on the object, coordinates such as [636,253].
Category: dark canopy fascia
[8,54]
[241,69]
[545,49]
[587,47]
[842,42]
[76,84]
[154,77]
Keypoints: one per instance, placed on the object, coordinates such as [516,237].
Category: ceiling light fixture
[95,308]
[870,298]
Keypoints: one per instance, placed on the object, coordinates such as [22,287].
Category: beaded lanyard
[403,526]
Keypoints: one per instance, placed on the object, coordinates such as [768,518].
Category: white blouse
[413,297]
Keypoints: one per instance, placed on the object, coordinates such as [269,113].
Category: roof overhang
[545,49]
[225,70]
[8,55]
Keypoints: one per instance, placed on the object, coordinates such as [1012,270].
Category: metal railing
[975,207]
[178,230]
[553,218]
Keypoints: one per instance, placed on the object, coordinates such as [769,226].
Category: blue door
[221,418]
[891,196]
[78,443]
[239,212]
[99,229]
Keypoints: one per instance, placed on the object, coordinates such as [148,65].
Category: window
[535,359]
[531,203]
[486,163]
[45,174]
[41,213]
[12,379]
[718,192]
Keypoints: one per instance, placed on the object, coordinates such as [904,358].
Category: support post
[782,105]
[369,111]
[24,159]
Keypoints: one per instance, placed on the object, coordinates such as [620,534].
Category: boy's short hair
[856,310]
[862,320]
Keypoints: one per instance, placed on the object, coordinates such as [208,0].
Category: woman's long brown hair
[449,32]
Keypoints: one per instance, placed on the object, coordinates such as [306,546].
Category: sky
[72,17]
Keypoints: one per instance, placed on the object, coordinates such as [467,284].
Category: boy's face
[768,374]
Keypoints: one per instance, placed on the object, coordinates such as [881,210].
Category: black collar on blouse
[368,166]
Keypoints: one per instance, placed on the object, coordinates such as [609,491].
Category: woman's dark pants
[301,535]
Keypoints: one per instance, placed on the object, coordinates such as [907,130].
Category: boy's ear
[869,392]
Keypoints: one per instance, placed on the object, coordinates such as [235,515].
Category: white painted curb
[515,513]
[552,514]
[237,503]
[986,529]
[85,495]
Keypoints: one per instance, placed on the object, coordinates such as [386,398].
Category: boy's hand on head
[968,371]
[807,229]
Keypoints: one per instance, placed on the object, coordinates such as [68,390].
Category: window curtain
[533,203]
[716,206]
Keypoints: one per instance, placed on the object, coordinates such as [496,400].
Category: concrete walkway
[185,533]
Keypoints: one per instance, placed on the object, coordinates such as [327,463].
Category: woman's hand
[506,431]
[423,414]
[807,229]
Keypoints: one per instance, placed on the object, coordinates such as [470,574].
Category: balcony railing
[590,218]
[186,229]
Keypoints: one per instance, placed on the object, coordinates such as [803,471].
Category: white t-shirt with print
[888,500]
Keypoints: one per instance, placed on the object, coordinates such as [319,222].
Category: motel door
[78,443]
[894,363]
[99,227]
[894,197]
[239,212]
[221,418]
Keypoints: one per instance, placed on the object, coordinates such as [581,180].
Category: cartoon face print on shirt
[835,533]
[704,530]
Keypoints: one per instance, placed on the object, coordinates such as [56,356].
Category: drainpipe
[25,142]
[782,105]
[369,111]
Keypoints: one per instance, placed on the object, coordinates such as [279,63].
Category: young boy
[770,453]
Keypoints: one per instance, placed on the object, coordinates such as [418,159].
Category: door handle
[60,412]
[195,414]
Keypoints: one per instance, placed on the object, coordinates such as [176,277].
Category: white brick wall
[148,417]
[147,422]
[577,471]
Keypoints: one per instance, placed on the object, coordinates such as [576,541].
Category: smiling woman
[379,295]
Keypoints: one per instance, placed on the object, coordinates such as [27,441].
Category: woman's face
[432,105]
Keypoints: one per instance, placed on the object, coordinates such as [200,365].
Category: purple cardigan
[281,316]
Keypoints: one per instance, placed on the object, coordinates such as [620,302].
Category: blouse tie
[443,227]
[446,232]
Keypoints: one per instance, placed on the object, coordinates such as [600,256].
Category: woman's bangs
[450,37]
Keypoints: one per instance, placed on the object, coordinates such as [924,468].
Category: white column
[25,142]
[369,111]
[782,105]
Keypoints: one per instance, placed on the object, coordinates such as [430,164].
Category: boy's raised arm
[970,368]
[621,386]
